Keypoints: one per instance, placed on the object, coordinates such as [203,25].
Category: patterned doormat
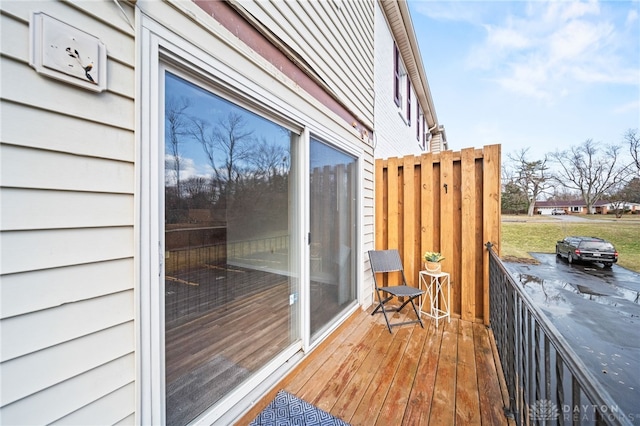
[287,409]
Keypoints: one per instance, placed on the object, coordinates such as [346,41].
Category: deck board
[375,394]
[419,406]
[433,376]
[398,396]
[442,408]
[467,396]
[352,394]
[485,358]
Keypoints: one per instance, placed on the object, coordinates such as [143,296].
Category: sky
[538,75]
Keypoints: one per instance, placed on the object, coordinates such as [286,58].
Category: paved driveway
[598,312]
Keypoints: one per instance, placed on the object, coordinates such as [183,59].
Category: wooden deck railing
[447,202]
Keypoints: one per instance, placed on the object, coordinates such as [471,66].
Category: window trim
[408,112]
[419,121]
[396,74]
[424,133]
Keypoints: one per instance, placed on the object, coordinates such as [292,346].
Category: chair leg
[384,311]
[381,304]
[417,313]
[409,299]
[386,318]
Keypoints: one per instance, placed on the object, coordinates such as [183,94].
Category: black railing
[547,382]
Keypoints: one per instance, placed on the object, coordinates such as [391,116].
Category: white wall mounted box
[66,53]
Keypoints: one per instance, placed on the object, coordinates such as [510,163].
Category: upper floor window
[425,131]
[397,71]
[400,81]
[408,102]
[419,121]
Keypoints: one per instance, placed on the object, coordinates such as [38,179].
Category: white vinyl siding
[395,124]
[334,38]
[368,229]
[64,209]
[67,270]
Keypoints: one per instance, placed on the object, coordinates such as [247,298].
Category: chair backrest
[385,261]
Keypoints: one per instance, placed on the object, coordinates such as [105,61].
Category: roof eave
[399,19]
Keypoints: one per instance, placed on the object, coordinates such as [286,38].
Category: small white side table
[434,283]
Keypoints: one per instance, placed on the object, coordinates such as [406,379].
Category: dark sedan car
[587,249]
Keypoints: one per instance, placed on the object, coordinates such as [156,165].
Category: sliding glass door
[231,229]
[233,239]
[333,224]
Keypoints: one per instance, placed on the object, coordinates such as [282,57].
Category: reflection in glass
[229,270]
[333,178]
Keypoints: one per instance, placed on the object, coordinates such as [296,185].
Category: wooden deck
[365,375]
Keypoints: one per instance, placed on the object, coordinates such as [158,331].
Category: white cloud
[506,38]
[578,9]
[578,41]
[449,10]
[632,17]
[630,106]
[553,47]
[188,169]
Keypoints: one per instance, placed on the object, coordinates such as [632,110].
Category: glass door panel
[333,178]
[231,269]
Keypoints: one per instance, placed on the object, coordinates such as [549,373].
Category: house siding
[67,194]
[394,136]
[334,38]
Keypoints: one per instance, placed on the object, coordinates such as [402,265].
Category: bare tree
[561,193]
[201,132]
[178,125]
[631,137]
[532,177]
[228,140]
[198,190]
[590,170]
[269,159]
[236,142]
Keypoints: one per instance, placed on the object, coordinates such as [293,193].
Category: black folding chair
[385,261]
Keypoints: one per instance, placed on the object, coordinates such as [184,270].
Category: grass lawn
[522,235]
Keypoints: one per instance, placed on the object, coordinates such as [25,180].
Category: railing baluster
[524,344]
[537,370]
[560,388]
[547,369]
[576,408]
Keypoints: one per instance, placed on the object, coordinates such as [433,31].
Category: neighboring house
[579,207]
[187,196]
[610,207]
[405,116]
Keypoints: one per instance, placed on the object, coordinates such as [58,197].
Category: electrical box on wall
[63,52]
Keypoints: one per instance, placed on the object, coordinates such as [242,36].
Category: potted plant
[432,261]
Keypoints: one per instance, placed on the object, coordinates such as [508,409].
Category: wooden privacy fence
[447,202]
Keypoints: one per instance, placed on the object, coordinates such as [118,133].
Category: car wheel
[608,265]
[569,258]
